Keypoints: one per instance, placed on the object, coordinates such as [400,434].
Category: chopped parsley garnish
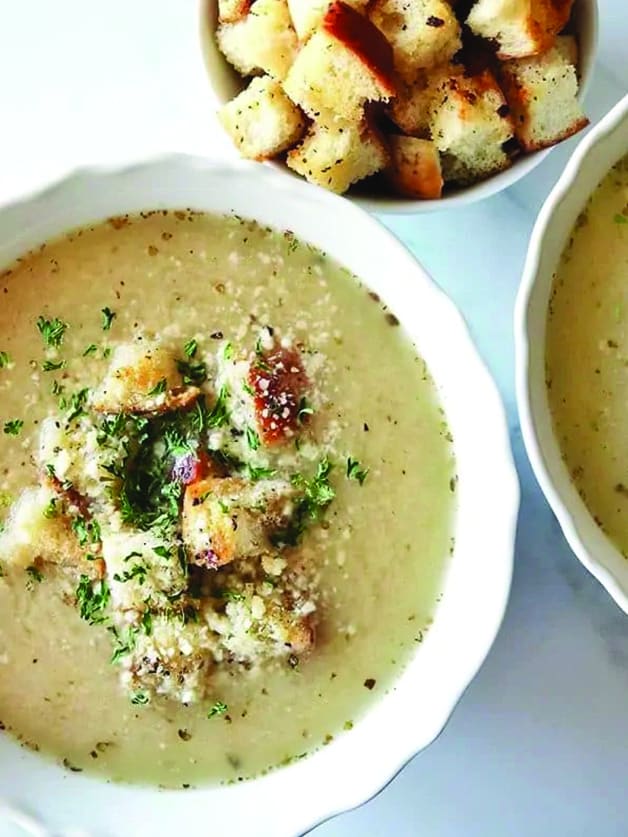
[90,350]
[248,389]
[13,427]
[192,373]
[159,388]
[108,316]
[355,471]
[219,708]
[92,598]
[138,571]
[621,219]
[162,552]
[190,348]
[252,438]
[5,359]
[77,404]
[219,414]
[139,699]
[147,622]
[86,531]
[304,410]
[52,366]
[124,643]
[227,352]
[34,573]
[52,331]
[317,494]
[232,596]
[260,473]
[51,510]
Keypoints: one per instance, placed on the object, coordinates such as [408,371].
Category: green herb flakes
[219,708]
[108,316]
[52,366]
[190,348]
[13,427]
[252,438]
[52,331]
[92,598]
[90,350]
[355,471]
[5,360]
[139,699]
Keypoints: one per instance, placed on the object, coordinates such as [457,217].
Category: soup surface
[587,354]
[228,497]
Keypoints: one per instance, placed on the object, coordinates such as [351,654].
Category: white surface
[539,743]
[475,587]
[602,147]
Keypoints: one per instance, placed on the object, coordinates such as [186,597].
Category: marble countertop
[539,742]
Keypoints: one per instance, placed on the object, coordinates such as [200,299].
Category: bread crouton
[231,10]
[142,378]
[470,125]
[262,121]
[263,41]
[567,45]
[37,531]
[336,156]
[519,27]
[414,169]
[542,94]
[228,519]
[423,33]
[307,14]
[411,109]
[345,63]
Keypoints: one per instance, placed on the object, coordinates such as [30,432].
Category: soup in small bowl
[572,351]
[251,465]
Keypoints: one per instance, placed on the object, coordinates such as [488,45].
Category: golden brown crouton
[519,27]
[142,378]
[346,63]
[231,10]
[411,109]
[414,169]
[542,94]
[308,14]
[470,126]
[263,41]
[227,519]
[423,33]
[338,155]
[262,121]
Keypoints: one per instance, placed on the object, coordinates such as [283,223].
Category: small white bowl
[597,153]
[476,584]
[226,83]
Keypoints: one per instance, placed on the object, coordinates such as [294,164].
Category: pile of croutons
[425,92]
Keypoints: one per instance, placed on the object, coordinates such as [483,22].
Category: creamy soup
[587,354]
[228,492]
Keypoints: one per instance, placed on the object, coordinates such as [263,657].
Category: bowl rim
[567,516]
[464,670]
[462,196]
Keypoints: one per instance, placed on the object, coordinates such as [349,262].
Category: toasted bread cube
[225,519]
[470,124]
[542,94]
[336,156]
[519,27]
[231,10]
[411,109]
[423,33]
[263,41]
[346,63]
[37,530]
[262,121]
[567,45]
[414,167]
[142,378]
[308,14]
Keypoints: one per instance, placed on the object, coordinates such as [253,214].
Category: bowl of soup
[258,503]
[572,351]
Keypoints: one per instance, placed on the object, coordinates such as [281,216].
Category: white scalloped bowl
[476,584]
[226,83]
[591,161]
